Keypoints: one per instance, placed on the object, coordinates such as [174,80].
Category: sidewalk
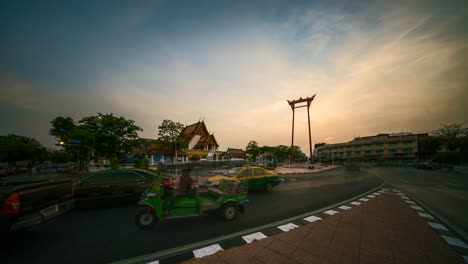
[385,227]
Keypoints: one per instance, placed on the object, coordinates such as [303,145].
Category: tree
[451,136]
[169,131]
[112,134]
[61,127]
[253,149]
[428,146]
[15,148]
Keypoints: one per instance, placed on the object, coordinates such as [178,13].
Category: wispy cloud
[382,69]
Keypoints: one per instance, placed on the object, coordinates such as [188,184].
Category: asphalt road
[101,235]
[444,192]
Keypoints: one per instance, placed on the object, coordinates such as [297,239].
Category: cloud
[380,69]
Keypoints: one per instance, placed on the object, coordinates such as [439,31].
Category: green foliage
[195,158]
[115,163]
[107,133]
[14,148]
[428,146]
[137,163]
[253,149]
[451,136]
[112,134]
[60,156]
[145,162]
[169,130]
[448,158]
[274,154]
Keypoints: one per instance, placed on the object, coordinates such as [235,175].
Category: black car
[427,166]
[122,185]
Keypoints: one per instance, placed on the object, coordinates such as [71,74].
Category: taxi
[257,178]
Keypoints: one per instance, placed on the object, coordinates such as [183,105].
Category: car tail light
[11,205]
[168,182]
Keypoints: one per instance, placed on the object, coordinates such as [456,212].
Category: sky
[376,66]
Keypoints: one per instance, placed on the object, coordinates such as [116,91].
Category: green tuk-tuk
[228,198]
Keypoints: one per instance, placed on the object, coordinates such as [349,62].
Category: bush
[144,164]
[137,163]
[195,158]
[448,158]
[115,163]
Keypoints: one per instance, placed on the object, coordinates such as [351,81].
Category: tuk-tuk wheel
[229,211]
[145,219]
[269,187]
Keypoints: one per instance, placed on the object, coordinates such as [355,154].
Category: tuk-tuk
[228,198]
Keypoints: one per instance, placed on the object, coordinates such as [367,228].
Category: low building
[234,154]
[396,147]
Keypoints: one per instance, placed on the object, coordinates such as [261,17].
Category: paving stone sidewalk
[383,230]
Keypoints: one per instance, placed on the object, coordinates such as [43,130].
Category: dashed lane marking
[312,218]
[355,203]
[415,207]
[330,212]
[426,215]
[364,199]
[437,226]
[455,242]
[153,262]
[287,227]
[206,251]
[410,202]
[344,207]
[255,236]
[370,196]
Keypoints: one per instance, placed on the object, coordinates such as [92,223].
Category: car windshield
[231,172]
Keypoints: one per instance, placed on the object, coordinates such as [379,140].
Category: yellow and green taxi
[257,178]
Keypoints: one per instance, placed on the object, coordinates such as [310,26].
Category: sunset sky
[376,67]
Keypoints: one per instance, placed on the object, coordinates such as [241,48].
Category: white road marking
[355,203]
[330,212]
[312,219]
[255,236]
[344,207]
[437,226]
[455,242]
[287,227]
[370,196]
[426,215]
[376,193]
[364,199]
[206,251]
[415,207]
[405,198]
[153,262]
[410,202]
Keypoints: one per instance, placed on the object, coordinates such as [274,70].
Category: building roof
[200,129]
[235,151]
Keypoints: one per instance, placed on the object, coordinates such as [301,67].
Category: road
[446,193]
[103,235]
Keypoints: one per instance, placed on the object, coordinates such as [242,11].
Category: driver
[181,189]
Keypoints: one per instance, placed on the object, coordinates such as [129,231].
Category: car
[124,185]
[426,166]
[30,200]
[6,171]
[257,178]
